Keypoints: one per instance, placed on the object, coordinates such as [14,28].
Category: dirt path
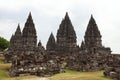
[37,79]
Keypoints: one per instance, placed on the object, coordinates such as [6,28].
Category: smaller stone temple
[28,57]
[51,44]
[15,44]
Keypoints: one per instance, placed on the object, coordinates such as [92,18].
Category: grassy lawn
[68,75]
[3,69]
[1,60]
[74,75]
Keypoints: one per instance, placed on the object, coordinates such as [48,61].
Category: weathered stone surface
[27,57]
[112,70]
[51,44]
[15,45]
[92,55]
[30,58]
[66,37]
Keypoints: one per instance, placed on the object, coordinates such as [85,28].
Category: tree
[3,44]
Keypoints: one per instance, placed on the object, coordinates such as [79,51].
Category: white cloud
[7,28]
[47,15]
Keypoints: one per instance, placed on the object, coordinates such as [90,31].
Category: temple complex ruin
[62,52]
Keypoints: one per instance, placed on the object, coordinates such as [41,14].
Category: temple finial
[91,15]
[18,30]
[66,15]
[39,43]
[30,17]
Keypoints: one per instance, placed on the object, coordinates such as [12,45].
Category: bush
[3,44]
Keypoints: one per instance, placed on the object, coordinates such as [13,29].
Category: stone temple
[92,55]
[62,51]
[66,43]
[28,57]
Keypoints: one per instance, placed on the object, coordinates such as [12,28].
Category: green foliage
[3,44]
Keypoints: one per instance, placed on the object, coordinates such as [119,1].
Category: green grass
[4,69]
[1,60]
[74,75]
[68,75]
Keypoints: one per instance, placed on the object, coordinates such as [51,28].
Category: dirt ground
[37,79]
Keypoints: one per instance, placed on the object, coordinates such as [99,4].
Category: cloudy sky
[47,15]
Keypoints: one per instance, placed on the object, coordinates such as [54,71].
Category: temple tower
[15,41]
[51,43]
[66,36]
[29,34]
[18,39]
[92,35]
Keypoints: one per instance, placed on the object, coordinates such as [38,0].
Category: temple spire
[51,43]
[92,28]
[18,30]
[39,43]
[29,26]
[92,20]
[66,36]
[29,31]
[16,39]
[91,16]
[92,34]
[66,15]
[11,37]
[29,19]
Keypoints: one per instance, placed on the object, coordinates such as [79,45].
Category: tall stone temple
[66,38]
[30,58]
[27,56]
[29,35]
